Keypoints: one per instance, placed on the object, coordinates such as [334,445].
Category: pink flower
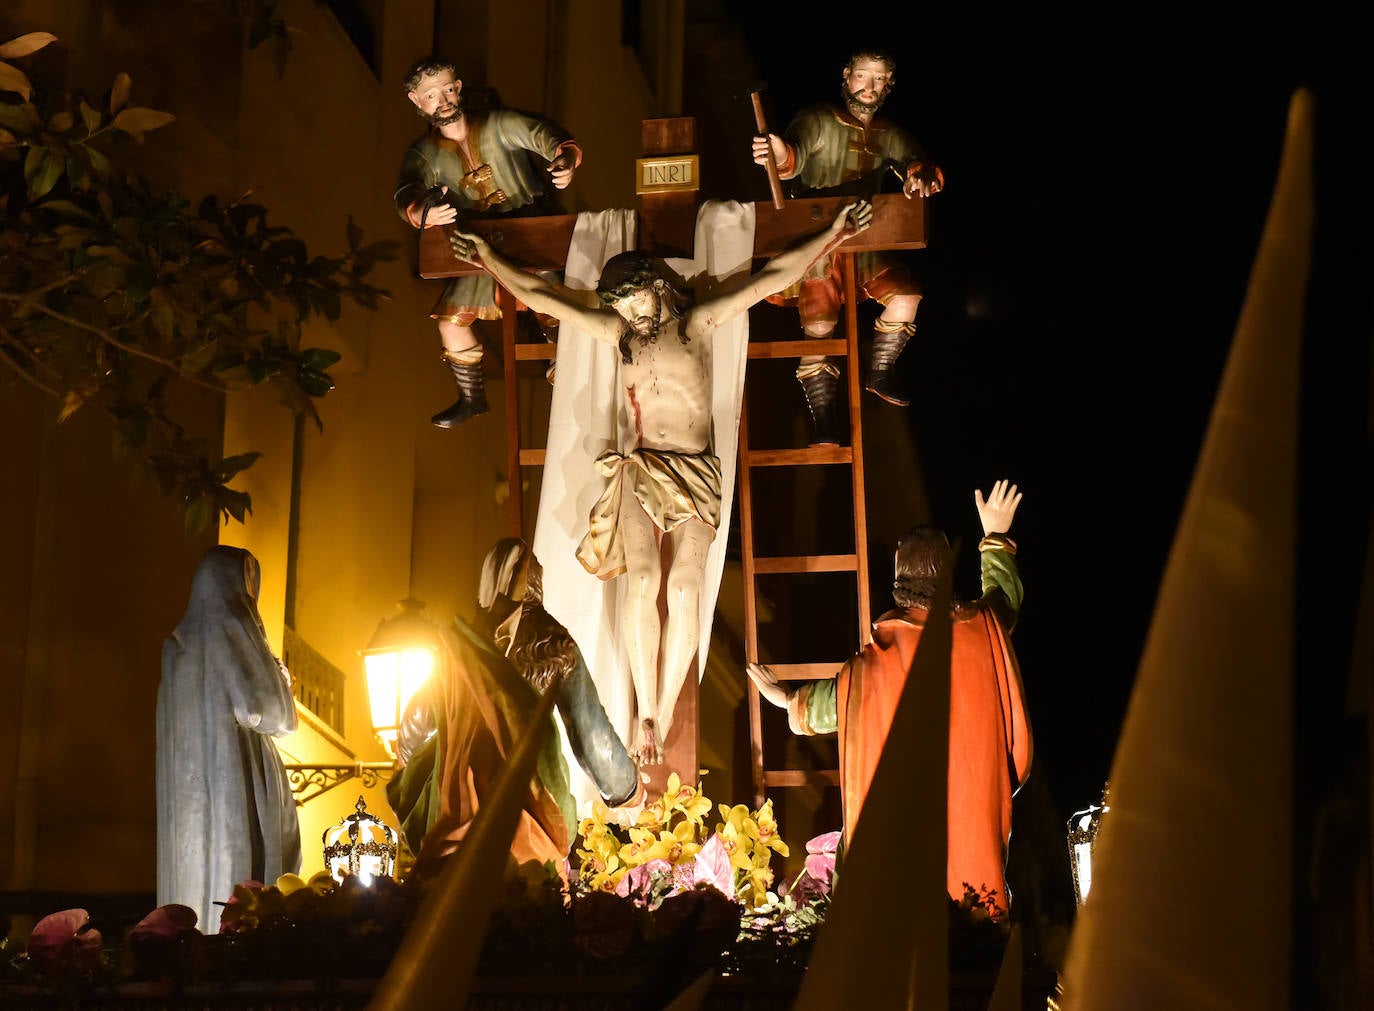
[820,856]
[163,941]
[65,942]
[713,867]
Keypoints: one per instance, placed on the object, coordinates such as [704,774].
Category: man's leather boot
[822,398]
[888,341]
[466,367]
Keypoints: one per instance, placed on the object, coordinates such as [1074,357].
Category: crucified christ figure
[667,484]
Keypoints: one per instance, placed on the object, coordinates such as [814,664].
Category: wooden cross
[667,216]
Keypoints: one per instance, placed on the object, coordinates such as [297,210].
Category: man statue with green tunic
[847,148]
[479,165]
[989,731]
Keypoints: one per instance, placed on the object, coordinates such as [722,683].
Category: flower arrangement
[668,849]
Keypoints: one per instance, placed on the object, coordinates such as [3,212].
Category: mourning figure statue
[224,808]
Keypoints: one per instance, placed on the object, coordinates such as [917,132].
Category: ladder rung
[797,349]
[805,671]
[801,777]
[810,455]
[807,563]
[532,457]
[535,352]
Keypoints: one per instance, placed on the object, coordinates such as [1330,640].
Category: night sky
[1106,189]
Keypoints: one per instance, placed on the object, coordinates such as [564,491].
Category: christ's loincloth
[672,488]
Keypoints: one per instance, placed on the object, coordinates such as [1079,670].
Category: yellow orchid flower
[737,847]
[288,883]
[767,829]
[676,846]
[635,852]
[736,817]
[694,804]
[653,816]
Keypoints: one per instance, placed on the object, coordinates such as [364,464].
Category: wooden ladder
[754,566]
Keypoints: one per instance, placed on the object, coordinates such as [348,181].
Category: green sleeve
[1002,585]
[517,130]
[803,135]
[819,699]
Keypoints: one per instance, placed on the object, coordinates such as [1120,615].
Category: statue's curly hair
[632,271]
[542,649]
[877,56]
[425,67]
[920,556]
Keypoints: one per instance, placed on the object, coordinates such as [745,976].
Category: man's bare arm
[536,292]
[782,270]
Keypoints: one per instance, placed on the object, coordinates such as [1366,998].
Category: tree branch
[19,370]
[15,342]
[127,348]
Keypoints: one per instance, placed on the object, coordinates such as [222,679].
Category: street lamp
[398,660]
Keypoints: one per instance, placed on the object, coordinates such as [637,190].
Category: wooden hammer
[774,183]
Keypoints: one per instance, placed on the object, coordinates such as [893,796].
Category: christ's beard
[858,106]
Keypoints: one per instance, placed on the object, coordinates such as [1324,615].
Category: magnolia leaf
[47,176]
[319,359]
[69,208]
[14,117]
[61,122]
[25,44]
[317,384]
[231,465]
[13,79]
[119,91]
[199,513]
[6,137]
[136,121]
[32,160]
[237,504]
[89,116]
[99,162]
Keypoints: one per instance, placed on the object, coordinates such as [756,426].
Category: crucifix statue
[660,346]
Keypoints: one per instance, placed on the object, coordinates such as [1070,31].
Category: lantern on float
[360,845]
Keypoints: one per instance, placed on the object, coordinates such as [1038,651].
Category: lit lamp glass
[398,661]
[360,845]
[1083,827]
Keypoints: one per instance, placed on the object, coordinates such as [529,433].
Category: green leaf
[25,44]
[319,358]
[13,79]
[199,513]
[89,116]
[236,503]
[61,122]
[119,91]
[99,162]
[137,121]
[47,176]
[69,208]
[12,117]
[317,384]
[32,160]
[231,465]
